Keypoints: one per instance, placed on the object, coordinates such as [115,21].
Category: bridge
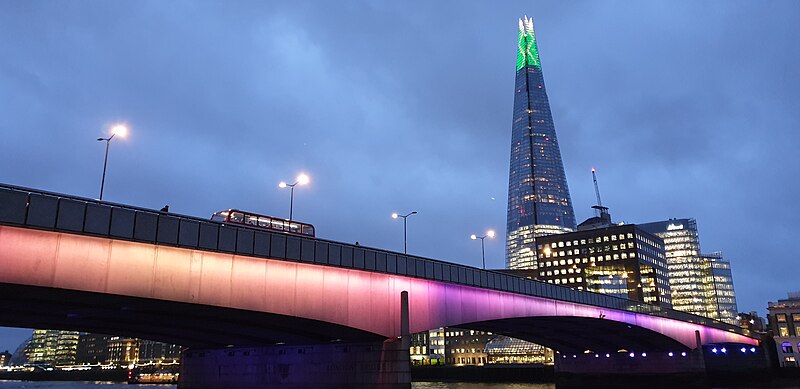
[255,307]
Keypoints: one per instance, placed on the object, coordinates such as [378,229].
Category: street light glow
[303,179]
[282,185]
[473,236]
[395,215]
[119,130]
[490,233]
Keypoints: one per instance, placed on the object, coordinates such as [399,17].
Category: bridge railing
[58,212]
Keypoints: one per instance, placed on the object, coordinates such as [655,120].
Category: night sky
[686,109]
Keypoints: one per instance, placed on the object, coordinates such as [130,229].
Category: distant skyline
[687,110]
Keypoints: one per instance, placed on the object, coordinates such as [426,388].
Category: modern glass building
[52,347]
[701,284]
[688,273]
[722,293]
[538,197]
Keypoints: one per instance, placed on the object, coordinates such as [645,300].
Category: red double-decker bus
[235,216]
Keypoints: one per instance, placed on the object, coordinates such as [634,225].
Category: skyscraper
[538,197]
[701,284]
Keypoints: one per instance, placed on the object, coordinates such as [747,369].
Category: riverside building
[784,322]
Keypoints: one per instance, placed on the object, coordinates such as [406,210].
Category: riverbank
[93,374]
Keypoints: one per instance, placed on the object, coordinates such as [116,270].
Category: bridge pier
[384,365]
[377,364]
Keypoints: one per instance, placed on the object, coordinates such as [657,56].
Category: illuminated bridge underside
[195,298]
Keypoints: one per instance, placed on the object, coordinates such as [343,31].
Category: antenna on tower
[596,188]
[602,212]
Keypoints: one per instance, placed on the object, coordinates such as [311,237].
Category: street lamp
[120,130]
[489,234]
[405,235]
[302,179]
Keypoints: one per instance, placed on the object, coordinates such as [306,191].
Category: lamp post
[405,235]
[302,179]
[489,234]
[120,130]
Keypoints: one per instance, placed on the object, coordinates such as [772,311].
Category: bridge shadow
[577,335]
[191,325]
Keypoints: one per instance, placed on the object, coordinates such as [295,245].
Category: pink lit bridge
[80,264]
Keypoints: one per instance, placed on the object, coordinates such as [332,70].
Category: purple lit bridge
[250,295]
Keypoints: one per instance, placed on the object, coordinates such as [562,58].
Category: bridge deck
[30,208]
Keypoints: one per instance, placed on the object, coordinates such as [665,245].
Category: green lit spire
[528,52]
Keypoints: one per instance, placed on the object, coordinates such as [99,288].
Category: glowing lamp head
[490,233]
[395,215]
[282,185]
[303,179]
[119,130]
[593,170]
[473,236]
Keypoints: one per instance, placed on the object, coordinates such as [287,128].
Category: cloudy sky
[687,109]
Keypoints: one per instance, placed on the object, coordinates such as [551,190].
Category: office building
[466,347]
[122,351]
[784,322]
[5,358]
[701,284]
[538,196]
[751,322]
[721,293]
[92,349]
[618,260]
[157,352]
[52,347]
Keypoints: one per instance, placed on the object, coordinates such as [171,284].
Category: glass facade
[701,284]
[722,293]
[52,347]
[505,350]
[538,197]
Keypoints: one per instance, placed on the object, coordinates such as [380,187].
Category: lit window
[560,244]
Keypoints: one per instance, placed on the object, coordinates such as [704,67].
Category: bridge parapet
[44,210]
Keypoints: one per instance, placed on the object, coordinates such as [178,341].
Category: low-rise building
[466,347]
[5,358]
[784,322]
[751,322]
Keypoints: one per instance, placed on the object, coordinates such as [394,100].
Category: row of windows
[575,242]
[600,258]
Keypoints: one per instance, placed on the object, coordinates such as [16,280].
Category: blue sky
[686,109]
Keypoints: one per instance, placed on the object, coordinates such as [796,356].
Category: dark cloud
[686,109]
